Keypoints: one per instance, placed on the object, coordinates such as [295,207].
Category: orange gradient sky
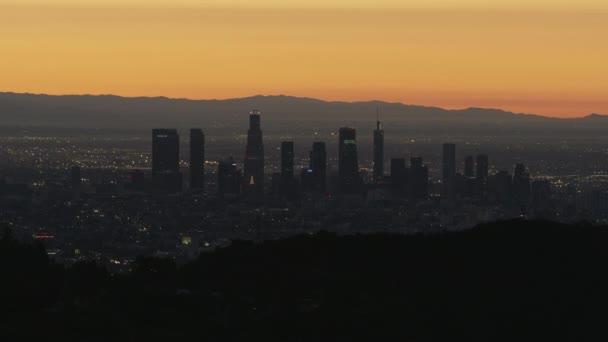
[538,56]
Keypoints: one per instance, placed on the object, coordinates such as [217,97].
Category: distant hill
[108,111]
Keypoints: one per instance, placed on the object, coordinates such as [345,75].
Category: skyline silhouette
[303,170]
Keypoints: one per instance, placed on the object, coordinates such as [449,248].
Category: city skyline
[456,177]
[303,170]
[535,57]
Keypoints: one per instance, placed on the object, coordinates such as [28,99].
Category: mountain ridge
[297,98]
[281,113]
[289,97]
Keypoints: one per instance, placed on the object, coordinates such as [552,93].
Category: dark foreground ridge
[500,281]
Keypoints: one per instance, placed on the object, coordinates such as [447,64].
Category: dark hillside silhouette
[501,281]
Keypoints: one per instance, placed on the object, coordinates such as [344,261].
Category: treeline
[500,281]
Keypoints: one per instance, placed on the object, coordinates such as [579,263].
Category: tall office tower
[197,159]
[318,166]
[254,157]
[348,164]
[470,183]
[482,174]
[165,160]
[228,178]
[378,151]
[165,151]
[286,177]
[448,168]
[418,179]
[398,176]
[469,167]
[521,185]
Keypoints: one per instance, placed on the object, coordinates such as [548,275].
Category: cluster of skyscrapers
[404,181]
[166,175]
[250,182]
[503,187]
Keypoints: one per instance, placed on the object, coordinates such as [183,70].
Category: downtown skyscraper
[481,175]
[197,159]
[314,178]
[348,164]
[521,185]
[378,151]
[287,160]
[470,183]
[228,178]
[418,179]
[287,184]
[254,157]
[165,160]
[469,166]
[398,176]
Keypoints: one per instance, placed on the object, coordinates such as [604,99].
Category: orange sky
[537,56]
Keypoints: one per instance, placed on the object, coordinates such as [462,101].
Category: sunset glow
[539,56]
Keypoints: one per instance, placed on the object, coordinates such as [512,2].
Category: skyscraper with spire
[254,157]
[378,150]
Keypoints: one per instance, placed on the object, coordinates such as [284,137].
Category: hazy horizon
[328,100]
[538,56]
